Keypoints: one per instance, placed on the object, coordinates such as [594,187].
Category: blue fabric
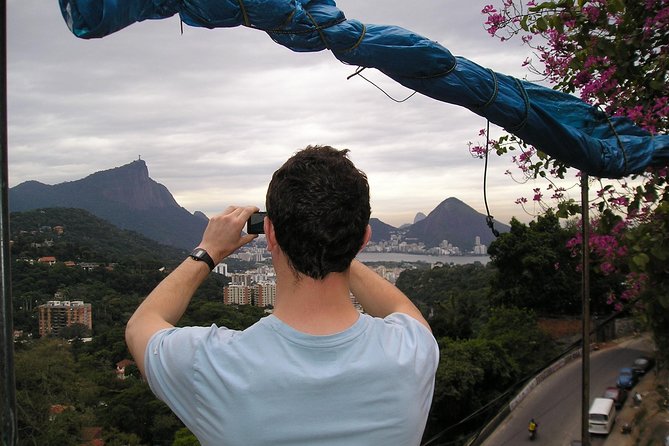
[369,385]
[556,123]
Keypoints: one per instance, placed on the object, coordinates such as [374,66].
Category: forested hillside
[77,235]
[66,386]
[489,344]
[486,352]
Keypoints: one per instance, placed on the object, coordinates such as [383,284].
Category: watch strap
[201,255]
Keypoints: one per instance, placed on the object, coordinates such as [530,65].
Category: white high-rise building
[237,295]
[265,294]
[221,268]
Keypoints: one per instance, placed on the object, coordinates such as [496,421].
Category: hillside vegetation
[489,345]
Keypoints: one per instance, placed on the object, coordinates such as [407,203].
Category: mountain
[419,216]
[77,235]
[456,222]
[125,196]
[380,231]
[128,198]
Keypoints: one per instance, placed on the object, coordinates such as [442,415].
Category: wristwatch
[201,255]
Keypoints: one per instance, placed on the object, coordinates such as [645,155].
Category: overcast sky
[214,112]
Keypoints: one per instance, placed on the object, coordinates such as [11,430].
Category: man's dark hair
[318,202]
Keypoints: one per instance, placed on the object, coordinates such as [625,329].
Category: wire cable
[489,218]
[360,69]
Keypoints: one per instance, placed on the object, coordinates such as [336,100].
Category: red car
[617,394]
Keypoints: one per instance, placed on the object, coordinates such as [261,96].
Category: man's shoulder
[195,334]
[405,345]
[411,332]
[405,320]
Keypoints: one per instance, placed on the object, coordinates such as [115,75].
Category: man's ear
[367,237]
[270,236]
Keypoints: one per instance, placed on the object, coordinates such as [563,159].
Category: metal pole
[9,422]
[585,298]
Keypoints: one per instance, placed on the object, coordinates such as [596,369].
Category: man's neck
[318,307]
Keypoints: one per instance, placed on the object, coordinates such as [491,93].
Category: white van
[602,415]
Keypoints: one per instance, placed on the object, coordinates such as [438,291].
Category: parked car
[617,395]
[626,378]
[642,364]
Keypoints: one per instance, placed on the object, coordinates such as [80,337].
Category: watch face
[202,255]
[198,253]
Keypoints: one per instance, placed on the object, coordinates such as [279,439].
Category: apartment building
[265,294]
[237,295]
[57,314]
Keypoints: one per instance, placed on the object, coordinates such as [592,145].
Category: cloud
[215,112]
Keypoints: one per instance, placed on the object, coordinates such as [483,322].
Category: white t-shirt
[371,384]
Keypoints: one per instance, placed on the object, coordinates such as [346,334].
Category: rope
[360,69]
[620,143]
[359,41]
[489,218]
[245,16]
[495,91]
[318,29]
[526,101]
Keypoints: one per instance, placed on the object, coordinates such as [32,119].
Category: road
[556,402]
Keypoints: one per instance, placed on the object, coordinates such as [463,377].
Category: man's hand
[223,234]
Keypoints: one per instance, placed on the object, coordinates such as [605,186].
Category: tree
[535,270]
[516,330]
[184,437]
[74,331]
[471,373]
[452,297]
[429,285]
[458,314]
[206,312]
[649,254]
[46,378]
[132,408]
[113,437]
[614,54]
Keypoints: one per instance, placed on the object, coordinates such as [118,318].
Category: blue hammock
[558,124]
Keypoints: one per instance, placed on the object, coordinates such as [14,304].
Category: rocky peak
[131,185]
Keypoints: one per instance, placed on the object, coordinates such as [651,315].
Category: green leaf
[557,23]
[663,299]
[657,85]
[641,260]
[544,5]
[659,253]
[615,5]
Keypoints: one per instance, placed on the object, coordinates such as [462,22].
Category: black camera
[256,223]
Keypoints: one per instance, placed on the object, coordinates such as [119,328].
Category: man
[532,428]
[316,371]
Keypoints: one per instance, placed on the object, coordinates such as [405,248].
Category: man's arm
[168,301]
[378,296]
